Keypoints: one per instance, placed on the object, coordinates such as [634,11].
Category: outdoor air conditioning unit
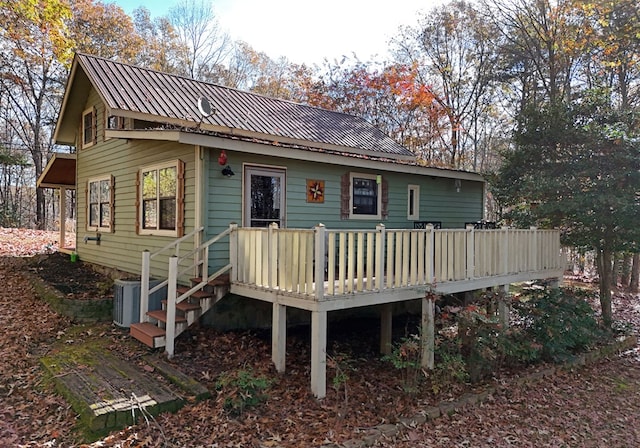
[126,301]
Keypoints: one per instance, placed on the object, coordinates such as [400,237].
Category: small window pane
[105,191]
[149,186]
[105,217]
[94,193]
[168,214]
[94,210]
[149,214]
[168,182]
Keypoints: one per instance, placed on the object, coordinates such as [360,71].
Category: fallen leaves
[27,242]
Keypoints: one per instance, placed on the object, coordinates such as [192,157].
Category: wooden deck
[371,267]
[323,270]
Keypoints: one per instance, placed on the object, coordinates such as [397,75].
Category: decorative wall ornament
[315,190]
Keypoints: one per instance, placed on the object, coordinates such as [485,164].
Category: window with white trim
[161,197]
[366,196]
[89,127]
[413,202]
[100,204]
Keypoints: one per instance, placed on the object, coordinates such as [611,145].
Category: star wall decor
[315,190]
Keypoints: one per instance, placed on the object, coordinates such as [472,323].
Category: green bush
[560,320]
[405,356]
[241,389]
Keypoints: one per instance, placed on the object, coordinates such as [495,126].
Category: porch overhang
[60,172]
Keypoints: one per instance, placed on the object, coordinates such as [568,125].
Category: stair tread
[221,280]
[149,329]
[161,315]
[185,306]
[197,294]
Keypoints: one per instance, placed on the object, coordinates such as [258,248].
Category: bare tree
[200,33]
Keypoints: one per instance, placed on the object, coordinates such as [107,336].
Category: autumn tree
[455,50]
[34,49]
[103,30]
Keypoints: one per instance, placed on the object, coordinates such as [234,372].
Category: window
[365,196]
[161,195]
[100,204]
[413,202]
[89,131]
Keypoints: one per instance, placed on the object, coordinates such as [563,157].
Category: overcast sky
[307,31]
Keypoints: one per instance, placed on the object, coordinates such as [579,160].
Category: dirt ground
[593,406]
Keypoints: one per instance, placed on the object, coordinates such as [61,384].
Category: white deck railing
[357,261]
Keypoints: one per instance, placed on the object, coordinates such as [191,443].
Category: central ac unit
[126,300]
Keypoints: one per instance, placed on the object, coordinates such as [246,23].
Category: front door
[264,196]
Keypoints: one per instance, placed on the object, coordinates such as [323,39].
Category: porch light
[227,171]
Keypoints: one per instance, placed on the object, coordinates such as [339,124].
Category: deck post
[427,331]
[144,285]
[279,337]
[381,245]
[320,257]
[170,330]
[233,251]
[471,252]
[319,353]
[504,309]
[386,328]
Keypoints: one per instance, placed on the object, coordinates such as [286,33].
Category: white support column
[144,285]
[386,328]
[233,251]
[279,337]
[319,353]
[504,308]
[63,218]
[381,244]
[427,333]
[170,330]
[320,258]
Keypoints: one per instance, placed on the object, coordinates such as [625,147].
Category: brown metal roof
[165,98]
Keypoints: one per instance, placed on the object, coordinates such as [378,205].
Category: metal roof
[165,98]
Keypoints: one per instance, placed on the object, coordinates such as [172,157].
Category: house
[299,206]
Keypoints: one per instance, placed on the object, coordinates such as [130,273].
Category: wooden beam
[279,337]
[319,353]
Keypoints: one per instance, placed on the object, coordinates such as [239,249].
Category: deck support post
[144,285]
[504,309]
[427,331]
[170,329]
[386,328]
[279,337]
[319,353]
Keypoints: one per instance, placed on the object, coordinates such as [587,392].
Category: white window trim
[378,179]
[416,202]
[99,228]
[94,131]
[158,232]
[250,168]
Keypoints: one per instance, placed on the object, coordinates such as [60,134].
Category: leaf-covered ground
[594,406]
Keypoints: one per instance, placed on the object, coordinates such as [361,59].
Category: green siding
[439,200]
[122,247]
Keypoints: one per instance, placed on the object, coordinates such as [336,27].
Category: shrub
[241,389]
[560,320]
[405,356]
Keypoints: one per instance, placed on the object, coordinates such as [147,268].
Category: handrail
[176,242]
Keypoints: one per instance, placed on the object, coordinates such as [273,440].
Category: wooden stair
[188,312]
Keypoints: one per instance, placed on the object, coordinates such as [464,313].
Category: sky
[307,31]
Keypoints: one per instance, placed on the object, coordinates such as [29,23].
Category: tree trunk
[625,275]
[635,273]
[604,272]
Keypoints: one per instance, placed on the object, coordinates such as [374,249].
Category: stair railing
[145,274]
[174,274]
